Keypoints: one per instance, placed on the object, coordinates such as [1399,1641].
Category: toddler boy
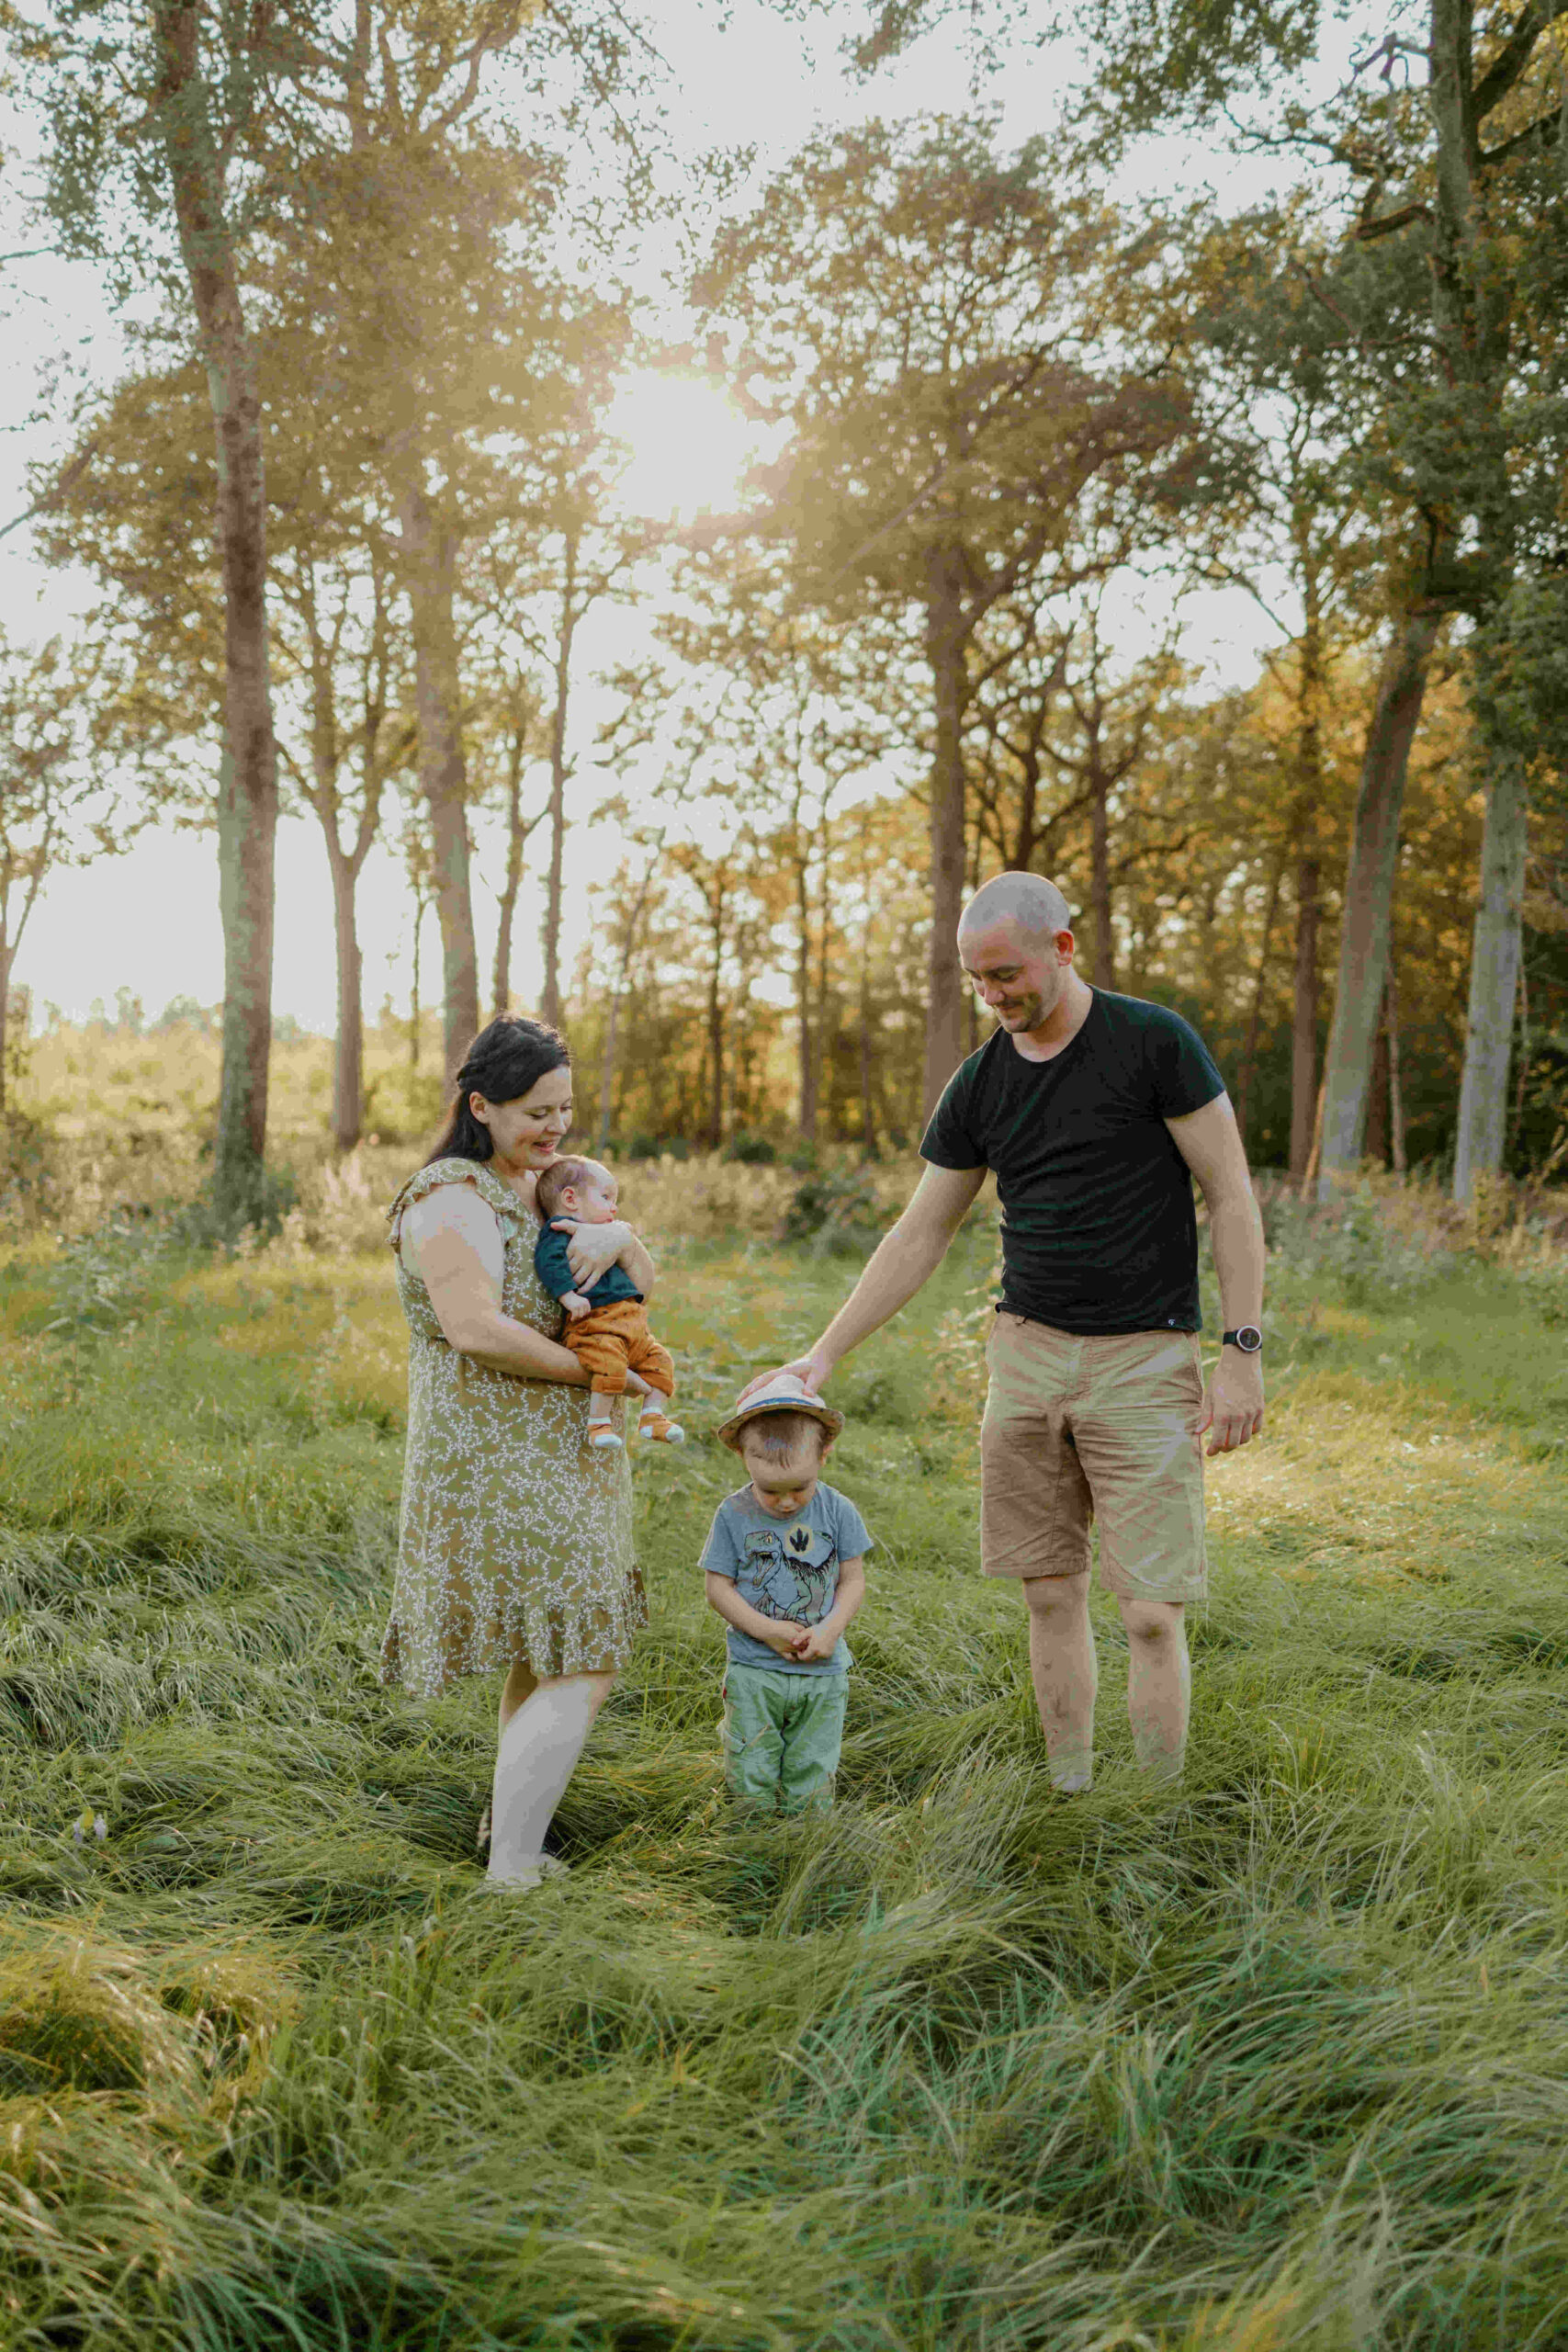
[785,1568]
[606,1327]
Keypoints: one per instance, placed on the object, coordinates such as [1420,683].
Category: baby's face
[594,1202]
[783,1489]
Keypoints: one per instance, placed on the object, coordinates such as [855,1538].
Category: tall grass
[1277,2060]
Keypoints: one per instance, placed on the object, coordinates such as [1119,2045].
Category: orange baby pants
[609,1341]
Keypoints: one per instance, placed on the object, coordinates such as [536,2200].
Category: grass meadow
[1279,2058]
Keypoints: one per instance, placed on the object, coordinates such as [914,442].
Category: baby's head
[784,1453]
[581,1188]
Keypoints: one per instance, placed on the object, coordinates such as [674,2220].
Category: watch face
[1250,1338]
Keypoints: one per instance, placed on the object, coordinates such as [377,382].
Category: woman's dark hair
[506,1059]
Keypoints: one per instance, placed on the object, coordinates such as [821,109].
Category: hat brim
[830,1419]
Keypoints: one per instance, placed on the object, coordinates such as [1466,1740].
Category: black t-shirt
[1098,1233]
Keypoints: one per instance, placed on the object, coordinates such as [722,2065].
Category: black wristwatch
[1247,1338]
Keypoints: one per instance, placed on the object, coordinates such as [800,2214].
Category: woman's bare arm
[456,1249]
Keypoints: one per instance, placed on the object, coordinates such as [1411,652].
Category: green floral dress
[515,1537]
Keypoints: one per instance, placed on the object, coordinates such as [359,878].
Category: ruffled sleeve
[496,1195]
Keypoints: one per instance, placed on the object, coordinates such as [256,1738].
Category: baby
[607,1328]
[785,1568]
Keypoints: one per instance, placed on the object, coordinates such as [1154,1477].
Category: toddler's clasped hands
[806,1643]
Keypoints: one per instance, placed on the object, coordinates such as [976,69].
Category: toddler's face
[594,1202]
[783,1489]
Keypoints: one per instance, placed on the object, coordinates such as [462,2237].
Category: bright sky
[147,921]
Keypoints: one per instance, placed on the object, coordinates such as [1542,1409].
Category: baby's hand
[813,1642]
[575,1304]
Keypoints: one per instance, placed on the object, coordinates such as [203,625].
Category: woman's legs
[518,1686]
[542,1735]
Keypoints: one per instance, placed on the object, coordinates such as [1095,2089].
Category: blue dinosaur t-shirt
[785,1569]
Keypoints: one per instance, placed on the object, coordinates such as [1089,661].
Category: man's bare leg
[1159,1684]
[1063,1669]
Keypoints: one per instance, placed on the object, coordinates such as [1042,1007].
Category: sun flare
[688,443]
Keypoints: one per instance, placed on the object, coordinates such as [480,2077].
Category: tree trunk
[623,979]
[945,641]
[414,1011]
[549,1004]
[824,1025]
[1303,1015]
[807,1059]
[7,957]
[1099,884]
[430,561]
[1522,1060]
[607,1069]
[348,1061]
[716,1047]
[1377,1101]
[1368,893]
[1494,978]
[1311,688]
[867,1110]
[516,841]
[1396,1082]
[247,788]
[1255,1018]
[500,977]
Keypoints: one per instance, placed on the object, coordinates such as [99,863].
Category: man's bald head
[1036,906]
[1015,941]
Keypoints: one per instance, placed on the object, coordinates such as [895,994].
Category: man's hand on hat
[811,1370]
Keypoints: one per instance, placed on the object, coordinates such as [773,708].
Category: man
[1096,1111]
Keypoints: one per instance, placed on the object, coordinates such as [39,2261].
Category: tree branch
[1514,55]
[1365,231]
[1536,129]
[61,487]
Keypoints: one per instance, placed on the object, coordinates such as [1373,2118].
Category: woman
[515,1542]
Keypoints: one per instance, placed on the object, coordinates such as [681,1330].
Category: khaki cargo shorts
[1080,1429]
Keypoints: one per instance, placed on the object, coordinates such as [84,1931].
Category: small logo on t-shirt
[799,1539]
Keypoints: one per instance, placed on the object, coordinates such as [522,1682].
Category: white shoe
[604,1441]
[656,1429]
[548,1866]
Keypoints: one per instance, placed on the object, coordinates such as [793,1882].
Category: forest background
[480,464]
[480,439]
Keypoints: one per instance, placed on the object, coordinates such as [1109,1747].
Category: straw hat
[785,1393]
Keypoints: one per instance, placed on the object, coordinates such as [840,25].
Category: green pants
[781,1734]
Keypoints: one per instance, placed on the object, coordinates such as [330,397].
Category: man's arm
[905,1258]
[1209,1142]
